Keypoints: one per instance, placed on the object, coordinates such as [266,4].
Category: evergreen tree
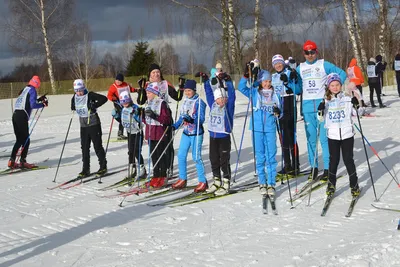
[141,60]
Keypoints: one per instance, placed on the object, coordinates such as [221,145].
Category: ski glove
[293,75]
[355,102]
[214,81]
[321,106]
[181,82]
[187,118]
[289,91]
[202,75]
[149,113]
[284,78]
[246,70]
[142,83]
[277,111]
[321,111]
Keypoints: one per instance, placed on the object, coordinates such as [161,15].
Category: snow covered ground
[75,227]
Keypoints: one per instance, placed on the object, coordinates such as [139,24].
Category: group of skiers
[327,110]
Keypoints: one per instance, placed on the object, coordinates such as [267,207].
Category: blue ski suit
[311,84]
[194,109]
[264,131]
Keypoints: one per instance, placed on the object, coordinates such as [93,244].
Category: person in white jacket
[336,110]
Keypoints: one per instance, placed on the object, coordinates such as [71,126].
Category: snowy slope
[75,227]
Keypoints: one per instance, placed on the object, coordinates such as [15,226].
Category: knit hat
[125,97]
[218,66]
[378,58]
[372,59]
[152,67]
[264,75]
[218,93]
[35,81]
[277,59]
[153,88]
[333,77]
[79,85]
[119,77]
[309,45]
[190,84]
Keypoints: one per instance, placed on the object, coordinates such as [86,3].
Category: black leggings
[135,142]
[21,131]
[220,154]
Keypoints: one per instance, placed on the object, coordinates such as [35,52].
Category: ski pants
[220,155]
[265,147]
[377,88]
[347,146]
[289,149]
[311,125]
[398,82]
[21,131]
[135,142]
[195,142]
[159,170]
[88,135]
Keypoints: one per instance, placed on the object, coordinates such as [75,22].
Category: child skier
[85,104]
[336,111]
[26,101]
[266,105]
[192,115]
[157,119]
[283,82]
[130,119]
[221,97]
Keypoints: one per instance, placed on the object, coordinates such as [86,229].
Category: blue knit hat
[264,75]
[190,84]
[333,77]
[153,88]
[125,97]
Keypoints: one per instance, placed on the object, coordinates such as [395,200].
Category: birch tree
[383,11]
[128,46]
[351,30]
[256,28]
[357,29]
[39,27]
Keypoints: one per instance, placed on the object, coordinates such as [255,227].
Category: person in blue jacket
[221,96]
[266,111]
[24,104]
[192,115]
[312,75]
[283,81]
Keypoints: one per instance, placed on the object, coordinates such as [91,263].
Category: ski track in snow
[74,227]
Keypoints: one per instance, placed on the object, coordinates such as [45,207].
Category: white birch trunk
[232,38]
[47,48]
[359,36]
[350,29]
[225,37]
[383,27]
[256,29]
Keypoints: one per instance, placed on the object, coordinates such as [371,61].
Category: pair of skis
[271,199]
[329,199]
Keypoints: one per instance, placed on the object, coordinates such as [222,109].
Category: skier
[192,116]
[355,76]
[113,95]
[131,120]
[374,71]
[221,96]
[396,68]
[267,106]
[166,90]
[158,120]
[382,66]
[85,104]
[336,111]
[24,104]
[283,82]
[312,76]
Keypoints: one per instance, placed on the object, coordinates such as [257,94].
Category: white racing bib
[278,85]
[216,122]
[350,73]
[338,113]
[314,79]
[21,100]
[129,123]
[371,71]
[81,106]
[397,65]
[155,106]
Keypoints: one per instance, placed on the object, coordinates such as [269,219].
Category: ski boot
[324,177]
[101,171]
[25,165]
[84,174]
[201,187]
[313,175]
[330,190]
[143,172]
[263,189]
[355,191]
[271,191]
[215,186]
[121,135]
[11,164]
[223,190]
[179,184]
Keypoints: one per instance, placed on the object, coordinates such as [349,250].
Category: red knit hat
[35,82]
[309,45]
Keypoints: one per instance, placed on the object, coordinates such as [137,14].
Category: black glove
[321,108]
[181,82]
[187,118]
[246,70]
[222,76]
[289,91]
[255,72]
[45,102]
[203,75]
[277,111]
[214,81]
[355,102]
[149,113]
[91,105]
[142,83]
[284,78]
[293,75]
[43,97]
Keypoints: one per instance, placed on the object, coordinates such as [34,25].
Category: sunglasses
[310,52]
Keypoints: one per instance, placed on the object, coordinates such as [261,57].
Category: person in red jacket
[158,120]
[355,75]
[113,95]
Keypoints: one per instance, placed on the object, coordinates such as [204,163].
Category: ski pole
[109,134]
[315,161]
[62,151]
[287,177]
[394,177]
[252,118]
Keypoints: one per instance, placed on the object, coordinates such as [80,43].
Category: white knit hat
[219,93]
